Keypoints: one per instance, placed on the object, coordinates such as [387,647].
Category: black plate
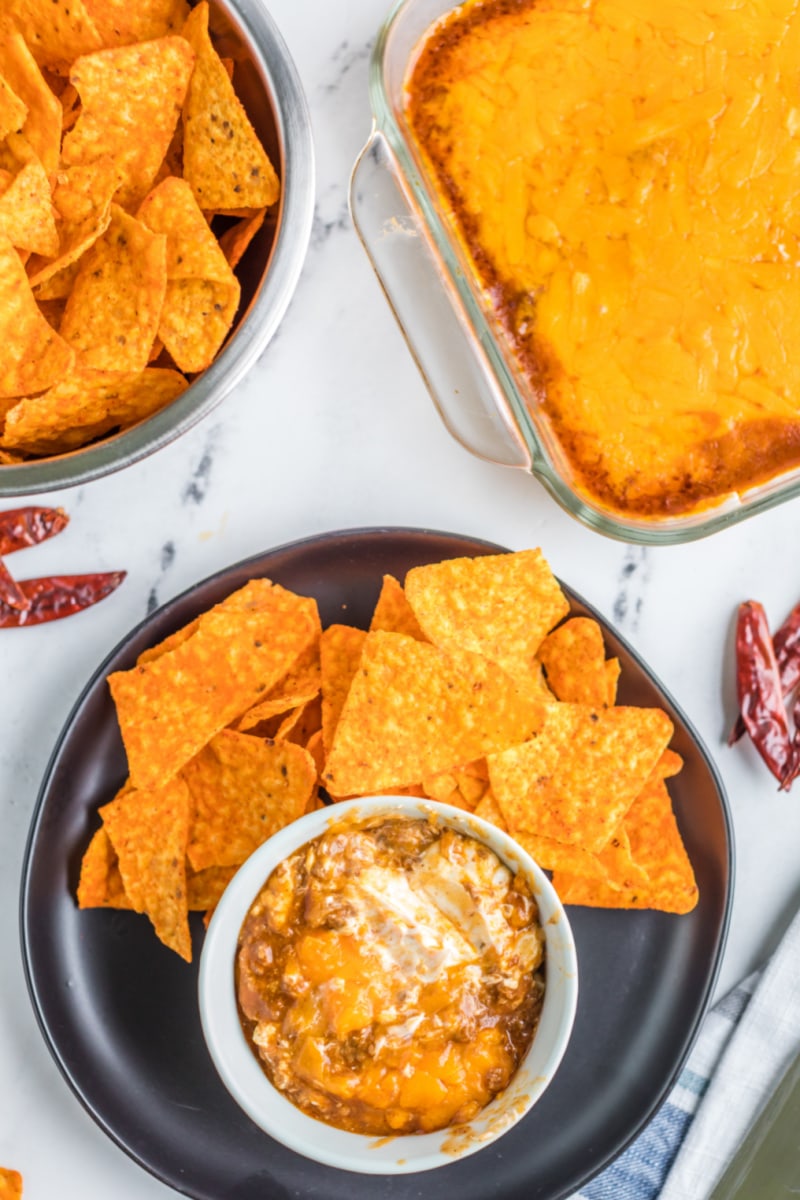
[119,1011]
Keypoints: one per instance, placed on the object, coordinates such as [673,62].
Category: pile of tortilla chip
[473,686]
[131,184]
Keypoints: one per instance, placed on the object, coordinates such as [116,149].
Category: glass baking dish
[447,320]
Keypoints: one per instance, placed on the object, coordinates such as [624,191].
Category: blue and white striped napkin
[746,1042]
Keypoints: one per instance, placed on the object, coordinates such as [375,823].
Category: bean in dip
[390,976]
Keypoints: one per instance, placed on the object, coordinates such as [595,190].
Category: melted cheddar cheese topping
[388,977]
[625,177]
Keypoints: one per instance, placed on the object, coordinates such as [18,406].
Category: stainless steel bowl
[269,86]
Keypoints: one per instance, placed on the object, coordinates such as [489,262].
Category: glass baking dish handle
[450,358]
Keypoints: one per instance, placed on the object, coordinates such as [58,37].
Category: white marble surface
[334,428]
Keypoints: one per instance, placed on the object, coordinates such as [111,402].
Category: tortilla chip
[197,317]
[657,848]
[444,788]
[56,31]
[574,658]
[35,356]
[42,125]
[82,199]
[58,286]
[26,212]
[488,808]
[87,405]
[257,595]
[120,22]
[552,855]
[131,99]
[668,765]
[204,888]
[501,606]
[301,684]
[52,311]
[192,250]
[112,314]
[302,723]
[101,883]
[616,859]
[149,830]
[202,292]
[278,706]
[70,103]
[244,790]
[413,711]
[611,670]
[234,241]
[316,749]
[223,159]
[440,786]
[578,776]
[170,707]
[393,613]
[472,781]
[340,652]
[10,1184]
[12,110]
[16,152]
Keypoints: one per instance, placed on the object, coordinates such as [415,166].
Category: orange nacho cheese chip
[82,200]
[120,22]
[223,158]
[88,404]
[393,613]
[202,293]
[12,111]
[413,710]
[149,831]
[172,706]
[10,1184]
[100,884]
[340,653]
[244,789]
[657,849]
[131,101]
[26,211]
[234,241]
[501,605]
[569,774]
[43,120]
[56,31]
[574,660]
[34,357]
[114,308]
[257,596]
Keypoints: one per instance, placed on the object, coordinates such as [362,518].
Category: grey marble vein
[196,489]
[632,583]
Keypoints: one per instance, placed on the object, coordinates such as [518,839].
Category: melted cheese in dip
[389,977]
[623,176]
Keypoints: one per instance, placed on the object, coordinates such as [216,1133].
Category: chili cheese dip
[390,977]
[623,175]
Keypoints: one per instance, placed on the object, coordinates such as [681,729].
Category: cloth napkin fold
[746,1042]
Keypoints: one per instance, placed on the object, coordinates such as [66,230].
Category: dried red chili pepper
[793,765]
[59,596]
[21,527]
[759,691]
[10,591]
[786,643]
